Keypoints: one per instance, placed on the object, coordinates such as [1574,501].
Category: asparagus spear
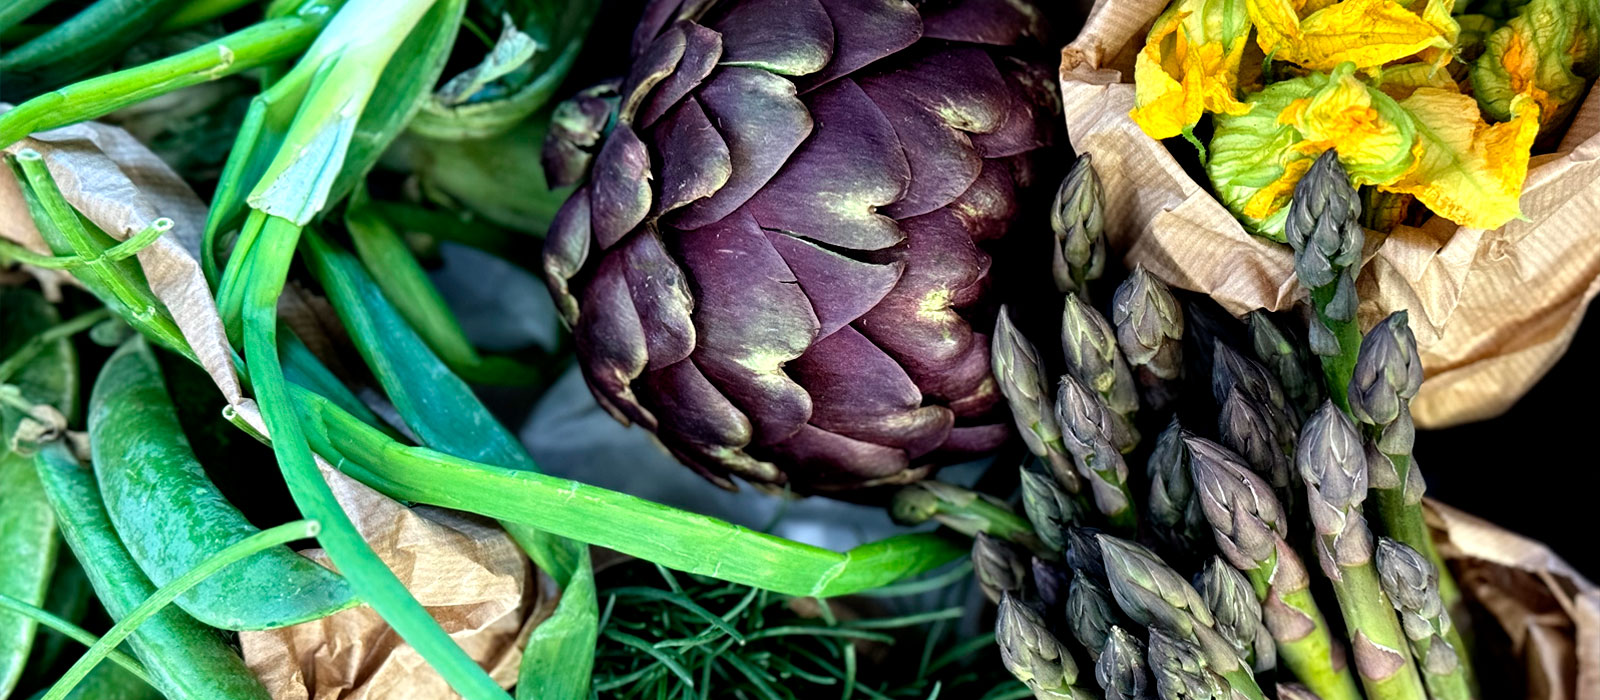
[1412,584]
[1182,671]
[1020,374]
[1174,513]
[1078,219]
[1051,580]
[963,510]
[1033,655]
[1232,371]
[1323,226]
[1295,691]
[1387,376]
[1288,360]
[1232,601]
[1094,360]
[1049,507]
[1149,325]
[1248,523]
[1121,670]
[1084,555]
[1091,613]
[1249,429]
[1088,429]
[999,567]
[1157,597]
[1332,462]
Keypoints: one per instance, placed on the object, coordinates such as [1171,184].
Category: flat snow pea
[27,525]
[187,660]
[171,517]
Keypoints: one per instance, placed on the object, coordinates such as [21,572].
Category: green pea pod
[28,538]
[68,599]
[109,682]
[187,660]
[171,517]
[27,525]
[90,38]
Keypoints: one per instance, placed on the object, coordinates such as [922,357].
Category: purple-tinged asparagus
[1333,464]
[1249,527]
[1182,671]
[1232,601]
[1083,553]
[1088,429]
[1033,655]
[1388,374]
[1021,377]
[1090,346]
[1091,613]
[1174,513]
[1288,360]
[1157,597]
[998,566]
[1049,507]
[1078,220]
[1412,584]
[1122,669]
[1250,428]
[1323,226]
[1149,326]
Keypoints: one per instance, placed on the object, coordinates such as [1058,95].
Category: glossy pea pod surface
[185,659]
[171,517]
[27,525]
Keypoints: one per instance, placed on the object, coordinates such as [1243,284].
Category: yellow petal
[1374,144]
[1399,81]
[1466,170]
[1190,65]
[1277,23]
[1364,32]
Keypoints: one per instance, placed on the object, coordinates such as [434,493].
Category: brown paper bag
[470,576]
[1492,310]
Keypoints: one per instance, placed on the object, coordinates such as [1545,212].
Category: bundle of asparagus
[1242,485]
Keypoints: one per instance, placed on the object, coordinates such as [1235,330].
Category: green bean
[264,43]
[157,601]
[109,682]
[90,38]
[44,617]
[171,517]
[185,659]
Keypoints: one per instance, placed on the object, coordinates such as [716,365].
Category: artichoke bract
[776,262]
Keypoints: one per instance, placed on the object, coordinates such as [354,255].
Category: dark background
[1531,470]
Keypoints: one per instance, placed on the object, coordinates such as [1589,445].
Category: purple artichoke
[775,263]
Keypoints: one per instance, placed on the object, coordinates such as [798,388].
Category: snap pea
[27,525]
[185,659]
[171,517]
[83,43]
[28,538]
[68,599]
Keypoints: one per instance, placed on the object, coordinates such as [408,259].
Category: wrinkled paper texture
[1492,310]
[471,576]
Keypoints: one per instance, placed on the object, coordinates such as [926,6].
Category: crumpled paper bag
[1492,310]
[470,576]
[1550,611]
